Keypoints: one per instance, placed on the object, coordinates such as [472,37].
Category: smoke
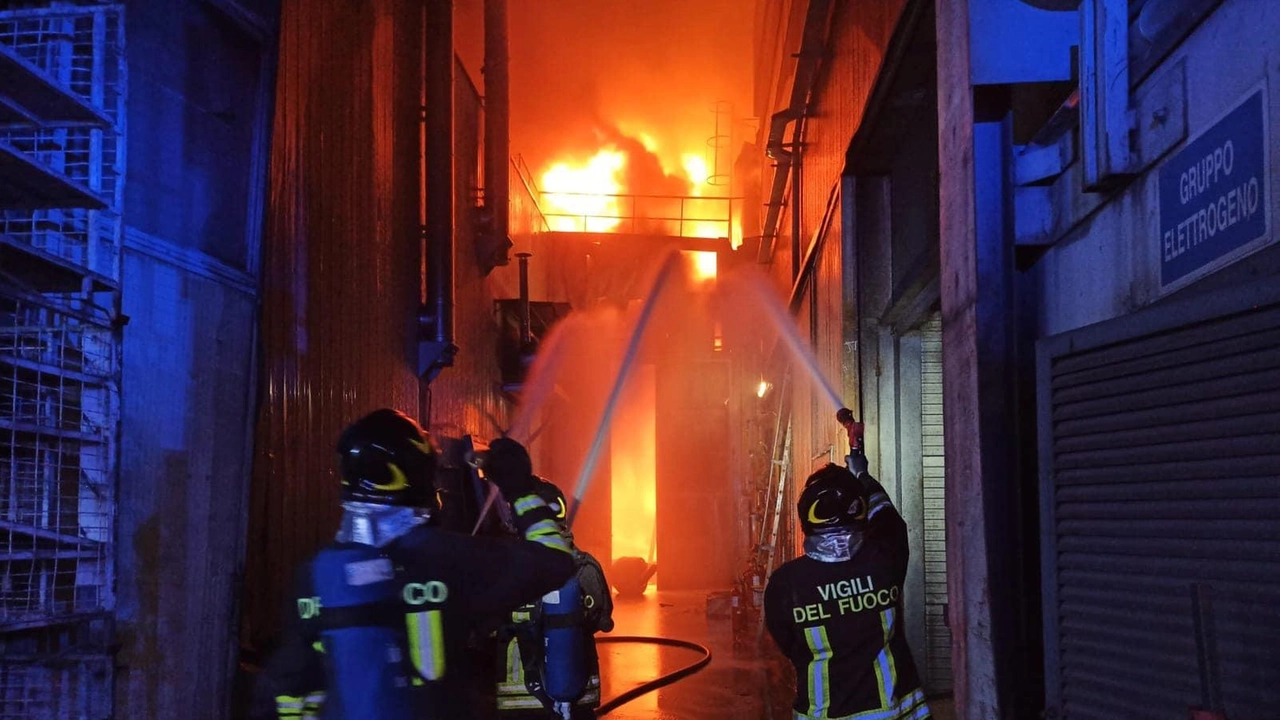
[643,172]
[589,73]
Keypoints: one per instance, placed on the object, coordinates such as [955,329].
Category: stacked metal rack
[62,91]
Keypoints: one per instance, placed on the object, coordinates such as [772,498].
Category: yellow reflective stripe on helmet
[317,646]
[819,681]
[426,643]
[398,479]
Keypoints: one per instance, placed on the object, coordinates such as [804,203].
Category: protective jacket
[447,583]
[836,612]
[521,656]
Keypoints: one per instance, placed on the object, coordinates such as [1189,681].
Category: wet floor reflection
[735,684]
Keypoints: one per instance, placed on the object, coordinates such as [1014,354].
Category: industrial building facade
[1064,249]
[1042,272]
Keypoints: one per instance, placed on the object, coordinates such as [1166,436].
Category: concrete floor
[742,684]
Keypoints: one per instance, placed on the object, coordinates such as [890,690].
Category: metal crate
[81,49]
[59,375]
[87,238]
[57,410]
[60,672]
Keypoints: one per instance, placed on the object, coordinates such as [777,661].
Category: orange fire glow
[582,198]
[633,451]
[704,264]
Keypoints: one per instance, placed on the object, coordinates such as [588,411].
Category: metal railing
[673,215]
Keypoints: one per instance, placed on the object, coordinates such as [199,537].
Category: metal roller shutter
[937,634]
[1160,459]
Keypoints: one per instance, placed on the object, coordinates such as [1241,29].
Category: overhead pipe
[808,59]
[436,348]
[497,131]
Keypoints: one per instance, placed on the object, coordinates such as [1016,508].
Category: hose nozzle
[855,429]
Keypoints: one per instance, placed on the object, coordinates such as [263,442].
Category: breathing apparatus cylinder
[364,643]
[565,673]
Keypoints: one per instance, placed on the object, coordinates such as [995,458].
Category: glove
[509,468]
[857,464]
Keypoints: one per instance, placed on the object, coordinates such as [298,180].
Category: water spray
[624,371]
[537,392]
[763,297]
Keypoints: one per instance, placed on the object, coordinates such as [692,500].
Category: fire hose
[662,680]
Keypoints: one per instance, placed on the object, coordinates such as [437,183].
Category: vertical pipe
[497,114]
[439,160]
[526,332]
[795,198]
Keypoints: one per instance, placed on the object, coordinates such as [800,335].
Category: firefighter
[836,611]
[522,657]
[380,618]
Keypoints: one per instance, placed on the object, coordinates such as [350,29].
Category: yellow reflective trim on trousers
[910,707]
[515,666]
[289,706]
[527,702]
[426,643]
[819,680]
[886,669]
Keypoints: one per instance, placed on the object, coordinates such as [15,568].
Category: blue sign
[1213,193]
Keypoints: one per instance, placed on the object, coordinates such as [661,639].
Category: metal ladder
[780,463]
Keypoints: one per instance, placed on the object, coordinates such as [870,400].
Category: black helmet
[831,501]
[387,459]
[552,496]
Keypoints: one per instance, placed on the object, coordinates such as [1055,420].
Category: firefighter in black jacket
[379,624]
[521,651]
[836,612]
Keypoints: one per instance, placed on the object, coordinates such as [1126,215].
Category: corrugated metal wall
[342,280]
[860,33]
[465,399]
[341,269]
[817,438]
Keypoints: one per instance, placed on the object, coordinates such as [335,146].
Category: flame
[704,264]
[633,458]
[695,168]
[583,198]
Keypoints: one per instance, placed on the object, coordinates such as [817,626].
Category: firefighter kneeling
[547,661]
